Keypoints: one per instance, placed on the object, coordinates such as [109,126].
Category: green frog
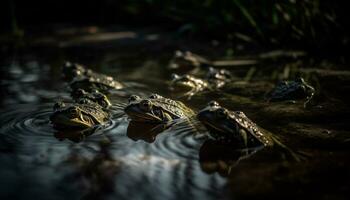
[236,129]
[191,85]
[217,78]
[75,70]
[81,96]
[80,76]
[188,84]
[292,90]
[78,115]
[156,109]
[95,83]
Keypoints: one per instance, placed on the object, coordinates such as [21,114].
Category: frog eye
[154,96]
[175,76]
[58,105]
[73,111]
[178,53]
[67,64]
[80,92]
[213,104]
[146,105]
[95,91]
[133,98]
[83,101]
[221,113]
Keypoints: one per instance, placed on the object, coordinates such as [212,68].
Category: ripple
[180,141]
[24,122]
[169,161]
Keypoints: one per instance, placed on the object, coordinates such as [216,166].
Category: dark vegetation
[308,24]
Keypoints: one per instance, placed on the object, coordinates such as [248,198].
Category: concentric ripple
[180,141]
[24,122]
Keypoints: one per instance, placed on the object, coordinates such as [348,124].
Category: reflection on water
[145,131]
[216,157]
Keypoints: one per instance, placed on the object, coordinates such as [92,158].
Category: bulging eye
[73,111]
[213,104]
[95,91]
[221,113]
[178,53]
[133,98]
[80,92]
[146,105]
[83,101]
[58,105]
[154,96]
[175,76]
[68,64]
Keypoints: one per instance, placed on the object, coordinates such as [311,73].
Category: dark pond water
[123,161]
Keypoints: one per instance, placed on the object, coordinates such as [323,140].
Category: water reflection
[145,131]
[73,135]
[216,157]
[95,175]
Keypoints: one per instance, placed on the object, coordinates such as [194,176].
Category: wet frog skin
[81,96]
[156,109]
[236,129]
[291,90]
[232,127]
[95,83]
[74,70]
[80,77]
[78,116]
[190,85]
[217,78]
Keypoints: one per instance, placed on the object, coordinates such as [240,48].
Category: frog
[217,78]
[81,96]
[234,128]
[78,115]
[291,91]
[75,70]
[95,83]
[188,61]
[191,85]
[156,109]
[80,76]
[214,80]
